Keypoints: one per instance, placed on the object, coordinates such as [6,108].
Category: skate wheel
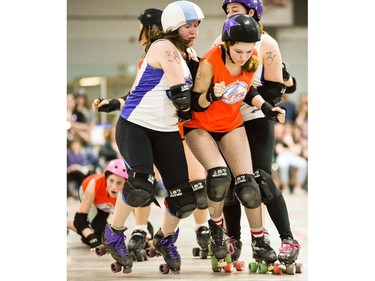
[276,269]
[291,269]
[100,250]
[253,266]
[116,267]
[203,254]
[262,268]
[216,269]
[240,265]
[150,252]
[299,267]
[229,267]
[196,252]
[164,268]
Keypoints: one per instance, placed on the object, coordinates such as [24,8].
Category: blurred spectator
[288,156]
[78,166]
[109,150]
[84,106]
[77,123]
[290,107]
[301,124]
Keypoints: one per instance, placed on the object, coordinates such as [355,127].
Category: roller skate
[288,254]
[266,236]
[203,238]
[235,247]
[219,250]
[114,243]
[165,247]
[137,244]
[263,254]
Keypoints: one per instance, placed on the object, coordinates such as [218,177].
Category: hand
[98,103]
[215,92]
[104,105]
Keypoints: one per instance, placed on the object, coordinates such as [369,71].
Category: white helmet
[178,13]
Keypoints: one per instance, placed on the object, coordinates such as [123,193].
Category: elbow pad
[195,102]
[293,88]
[272,91]
[80,222]
[252,93]
[181,97]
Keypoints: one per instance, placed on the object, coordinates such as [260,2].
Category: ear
[251,12]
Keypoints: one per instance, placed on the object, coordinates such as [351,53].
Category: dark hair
[173,36]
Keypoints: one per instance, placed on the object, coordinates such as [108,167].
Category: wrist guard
[91,240]
[210,96]
[111,106]
[184,115]
[267,110]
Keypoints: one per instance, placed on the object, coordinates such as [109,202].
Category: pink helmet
[118,168]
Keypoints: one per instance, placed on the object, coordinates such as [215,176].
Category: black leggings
[141,148]
[261,136]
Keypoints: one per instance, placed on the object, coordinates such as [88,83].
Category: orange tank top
[223,115]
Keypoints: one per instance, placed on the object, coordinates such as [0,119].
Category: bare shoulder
[269,43]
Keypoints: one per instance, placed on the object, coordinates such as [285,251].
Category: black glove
[111,106]
[267,110]
[286,74]
[184,115]
[91,240]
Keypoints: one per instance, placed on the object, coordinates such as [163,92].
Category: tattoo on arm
[173,56]
[272,57]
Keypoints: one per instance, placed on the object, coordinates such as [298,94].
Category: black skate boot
[114,241]
[219,248]
[203,238]
[236,247]
[165,246]
[136,245]
[262,251]
[289,250]
[288,254]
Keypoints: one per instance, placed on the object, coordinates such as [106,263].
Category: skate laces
[171,248]
[118,240]
[286,248]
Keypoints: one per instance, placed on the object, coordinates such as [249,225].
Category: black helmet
[241,28]
[150,17]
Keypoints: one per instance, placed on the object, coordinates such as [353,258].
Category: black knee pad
[181,201]
[268,189]
[247,191]
[230,198]
[139,189]
[199,187]
[218,182]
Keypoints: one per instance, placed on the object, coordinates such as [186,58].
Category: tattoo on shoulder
[172,56]
[198,75]
[272,57]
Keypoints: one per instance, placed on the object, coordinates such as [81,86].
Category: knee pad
[139,189]
[230,198]
[181,201]
[247,191]
[268,189]
[199,187]
[218,182]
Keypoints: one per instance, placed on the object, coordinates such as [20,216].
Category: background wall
[102,38]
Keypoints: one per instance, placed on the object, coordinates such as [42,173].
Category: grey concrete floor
[85,265]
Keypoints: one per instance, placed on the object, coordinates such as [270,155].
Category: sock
[198,225]
[257,232]
[218,221]
[141,227]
